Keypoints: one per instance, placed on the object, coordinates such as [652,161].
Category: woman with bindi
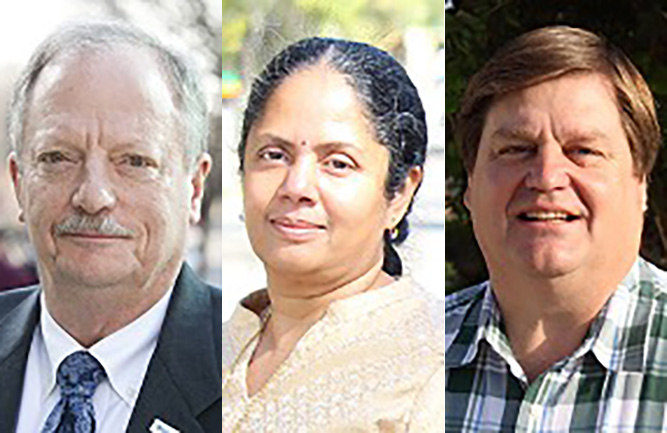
[331,156]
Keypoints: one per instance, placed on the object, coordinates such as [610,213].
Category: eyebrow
[519,133]
[269,138]
[513,133]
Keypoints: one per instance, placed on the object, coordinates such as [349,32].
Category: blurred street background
[230,41]
[254,31]
[190,26]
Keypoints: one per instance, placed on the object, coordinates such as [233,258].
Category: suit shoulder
[216,299]
[9,299]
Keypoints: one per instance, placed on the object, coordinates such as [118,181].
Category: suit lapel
[17,330]
[184,376]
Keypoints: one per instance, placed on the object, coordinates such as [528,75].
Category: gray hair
[79,37]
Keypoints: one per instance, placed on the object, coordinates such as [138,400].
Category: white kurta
[373,363]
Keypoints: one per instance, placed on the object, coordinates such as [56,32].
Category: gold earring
[393,233]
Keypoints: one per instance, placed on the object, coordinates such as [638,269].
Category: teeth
[546,216]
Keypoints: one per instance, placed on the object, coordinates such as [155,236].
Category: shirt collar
[125,354]
[618,337]
[624,338]
[245,321]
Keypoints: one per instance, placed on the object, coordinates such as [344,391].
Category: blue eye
[53,157]
[584,151]
[138,161]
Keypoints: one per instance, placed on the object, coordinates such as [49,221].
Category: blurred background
[190,26]
[475,29]
[254,31]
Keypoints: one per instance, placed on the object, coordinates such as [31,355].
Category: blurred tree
[475,29]
[255,31]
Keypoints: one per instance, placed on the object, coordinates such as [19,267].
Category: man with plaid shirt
[558,134]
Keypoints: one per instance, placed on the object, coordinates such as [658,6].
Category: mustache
[86,224]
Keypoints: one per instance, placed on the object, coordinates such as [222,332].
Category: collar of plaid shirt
[615,381]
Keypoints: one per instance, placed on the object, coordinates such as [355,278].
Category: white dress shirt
[125,355]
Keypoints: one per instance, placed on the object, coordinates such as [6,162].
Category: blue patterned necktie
[78,376]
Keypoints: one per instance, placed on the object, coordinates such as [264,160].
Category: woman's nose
[300,180]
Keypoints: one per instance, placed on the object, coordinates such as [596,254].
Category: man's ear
[198,180]
[466,194]
[15,174]
[398,205]
[644,193]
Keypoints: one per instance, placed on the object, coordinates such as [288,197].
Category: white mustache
[79,224]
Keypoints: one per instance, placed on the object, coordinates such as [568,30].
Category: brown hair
[549,53]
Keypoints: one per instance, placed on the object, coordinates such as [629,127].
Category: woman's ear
[399,205]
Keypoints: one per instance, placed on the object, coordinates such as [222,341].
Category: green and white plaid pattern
[615,382]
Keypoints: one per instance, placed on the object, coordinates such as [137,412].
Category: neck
[294,308]
[90,314]
[547,319]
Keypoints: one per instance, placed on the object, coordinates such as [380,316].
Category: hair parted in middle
[552,52]
[390,101]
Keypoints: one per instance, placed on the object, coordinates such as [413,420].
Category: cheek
[45,202]
[612,198]
[158,208]
[357,204]
[491,192]
[258,191]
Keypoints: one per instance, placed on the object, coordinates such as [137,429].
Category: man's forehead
[514,112]
[116,95]
[102,72]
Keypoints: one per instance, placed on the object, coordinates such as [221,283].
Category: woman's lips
[296,229]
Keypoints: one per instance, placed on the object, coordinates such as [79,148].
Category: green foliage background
[475,29]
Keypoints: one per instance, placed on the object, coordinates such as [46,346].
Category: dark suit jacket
[182,386]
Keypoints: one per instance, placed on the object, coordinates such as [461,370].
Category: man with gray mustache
[81,225]
[108,132]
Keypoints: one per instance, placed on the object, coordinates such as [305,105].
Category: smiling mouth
[296,224]
[296,230]
[548,216]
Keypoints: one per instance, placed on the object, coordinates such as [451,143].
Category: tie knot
[79,374]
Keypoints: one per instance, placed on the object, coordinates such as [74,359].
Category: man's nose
[94,192]
[548,170]
[300,182]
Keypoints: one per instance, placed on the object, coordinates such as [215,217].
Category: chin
[294,264]
[553,265]
[94,273]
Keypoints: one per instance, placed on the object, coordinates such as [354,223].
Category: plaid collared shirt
[616,381]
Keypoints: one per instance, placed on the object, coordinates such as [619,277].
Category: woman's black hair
[391,104]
